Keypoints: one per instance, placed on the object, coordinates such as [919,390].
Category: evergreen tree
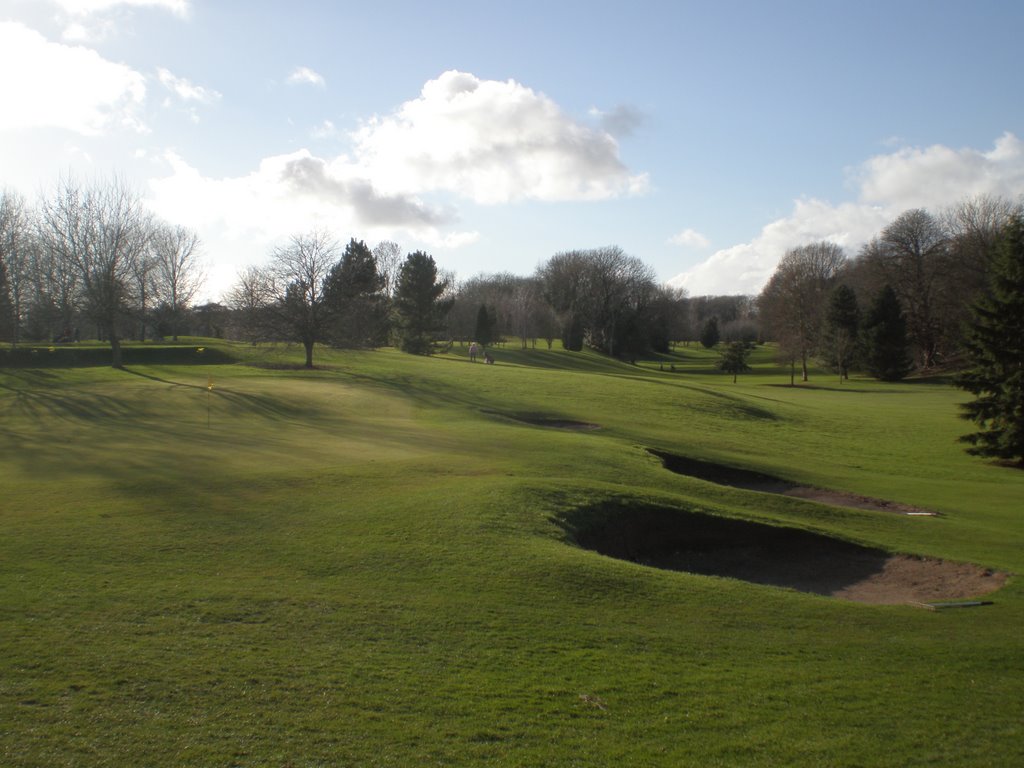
[841,325]
[484,330]
[885,338]
[710,335]
[734,359]
[354,292]
[995,345]
[419,307]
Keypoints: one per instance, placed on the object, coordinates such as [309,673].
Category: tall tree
[884,337]
[178,273]
[995,347]
[7,319]
[387,255]
[100,230]
[420,303]
[16,248]
[484,329]
[842,324]
[298,271]
[794,300]
[914,256]
[354,293]
[709,334]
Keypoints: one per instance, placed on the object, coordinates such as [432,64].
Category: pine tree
[419,308]
[885,338]
[842,320]
[734,359]
[709,335]
[354,293]
[995,345]
[484,331]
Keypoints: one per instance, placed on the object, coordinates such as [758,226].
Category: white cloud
[185,90]
[933,178]
[63,86]
[306,76]
[491,142]
[689,238]
[288,194]
[90,7]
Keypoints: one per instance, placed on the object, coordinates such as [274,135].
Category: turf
[371,563]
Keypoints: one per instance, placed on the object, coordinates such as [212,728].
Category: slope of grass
[363,565]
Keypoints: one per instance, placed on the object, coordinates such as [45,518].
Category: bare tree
[143,275]
[249,300]
[388,257]
[179,274]
[794,300]
[100,230]
[298,271]
[16,246]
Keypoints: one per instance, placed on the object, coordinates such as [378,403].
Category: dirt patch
[551,422]
[782,557]
[756,481]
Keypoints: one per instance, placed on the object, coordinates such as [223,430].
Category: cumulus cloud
[185,90]
[689,238]
[294,193]
[491,142]
[306,76]
[933,177]
[62,86]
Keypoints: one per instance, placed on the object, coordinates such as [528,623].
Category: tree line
[903,302]
[91,255]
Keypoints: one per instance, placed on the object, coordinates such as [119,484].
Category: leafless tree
[249,300]
[100,230]
[298,271]
[179,274]
[388,257]
[793,302]
[16,245]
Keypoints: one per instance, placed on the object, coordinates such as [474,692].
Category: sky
[705,138]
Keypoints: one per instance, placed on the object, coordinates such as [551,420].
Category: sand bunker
[782,557]
[756,481]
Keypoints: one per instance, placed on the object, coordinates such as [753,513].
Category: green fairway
[371,564]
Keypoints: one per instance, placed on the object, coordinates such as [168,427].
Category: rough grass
[358,565]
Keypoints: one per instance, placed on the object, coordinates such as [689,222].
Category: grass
[363,565]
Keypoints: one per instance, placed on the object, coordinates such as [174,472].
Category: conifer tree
[885,338]
[995,345]
[710,335]
[419,307]
[841,325]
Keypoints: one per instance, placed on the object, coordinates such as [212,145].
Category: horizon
[716,141]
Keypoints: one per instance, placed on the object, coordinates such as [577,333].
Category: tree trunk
[115,351]
[309,353]
[803,365]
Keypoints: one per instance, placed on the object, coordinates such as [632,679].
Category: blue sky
[704,138]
